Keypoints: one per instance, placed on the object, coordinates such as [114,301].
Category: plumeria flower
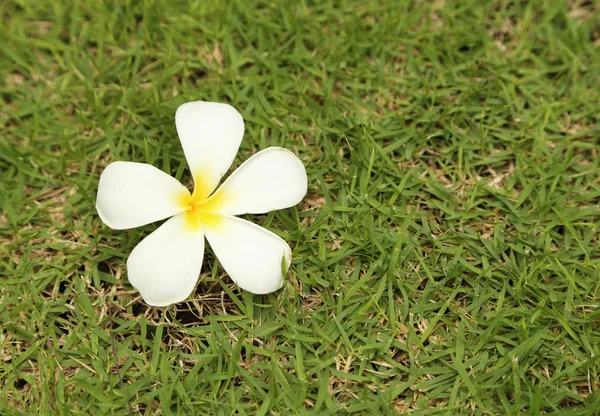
[165,266]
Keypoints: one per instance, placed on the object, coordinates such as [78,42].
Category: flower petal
[210,134]
[165,266]
[134,194]
[272,179]
[251,255]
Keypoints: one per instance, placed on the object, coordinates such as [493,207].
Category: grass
[446,258]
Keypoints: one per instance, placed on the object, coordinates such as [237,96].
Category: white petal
[165,266]
[271,179]
[210,134]
[133,194]
[251,255]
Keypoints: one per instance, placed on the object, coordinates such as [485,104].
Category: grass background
[445,259]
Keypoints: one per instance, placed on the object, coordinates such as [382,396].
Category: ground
[445,260]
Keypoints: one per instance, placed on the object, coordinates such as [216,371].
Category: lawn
[445,259]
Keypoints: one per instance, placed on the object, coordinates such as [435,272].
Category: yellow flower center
[202,209]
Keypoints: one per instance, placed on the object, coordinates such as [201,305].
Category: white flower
[165,266]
